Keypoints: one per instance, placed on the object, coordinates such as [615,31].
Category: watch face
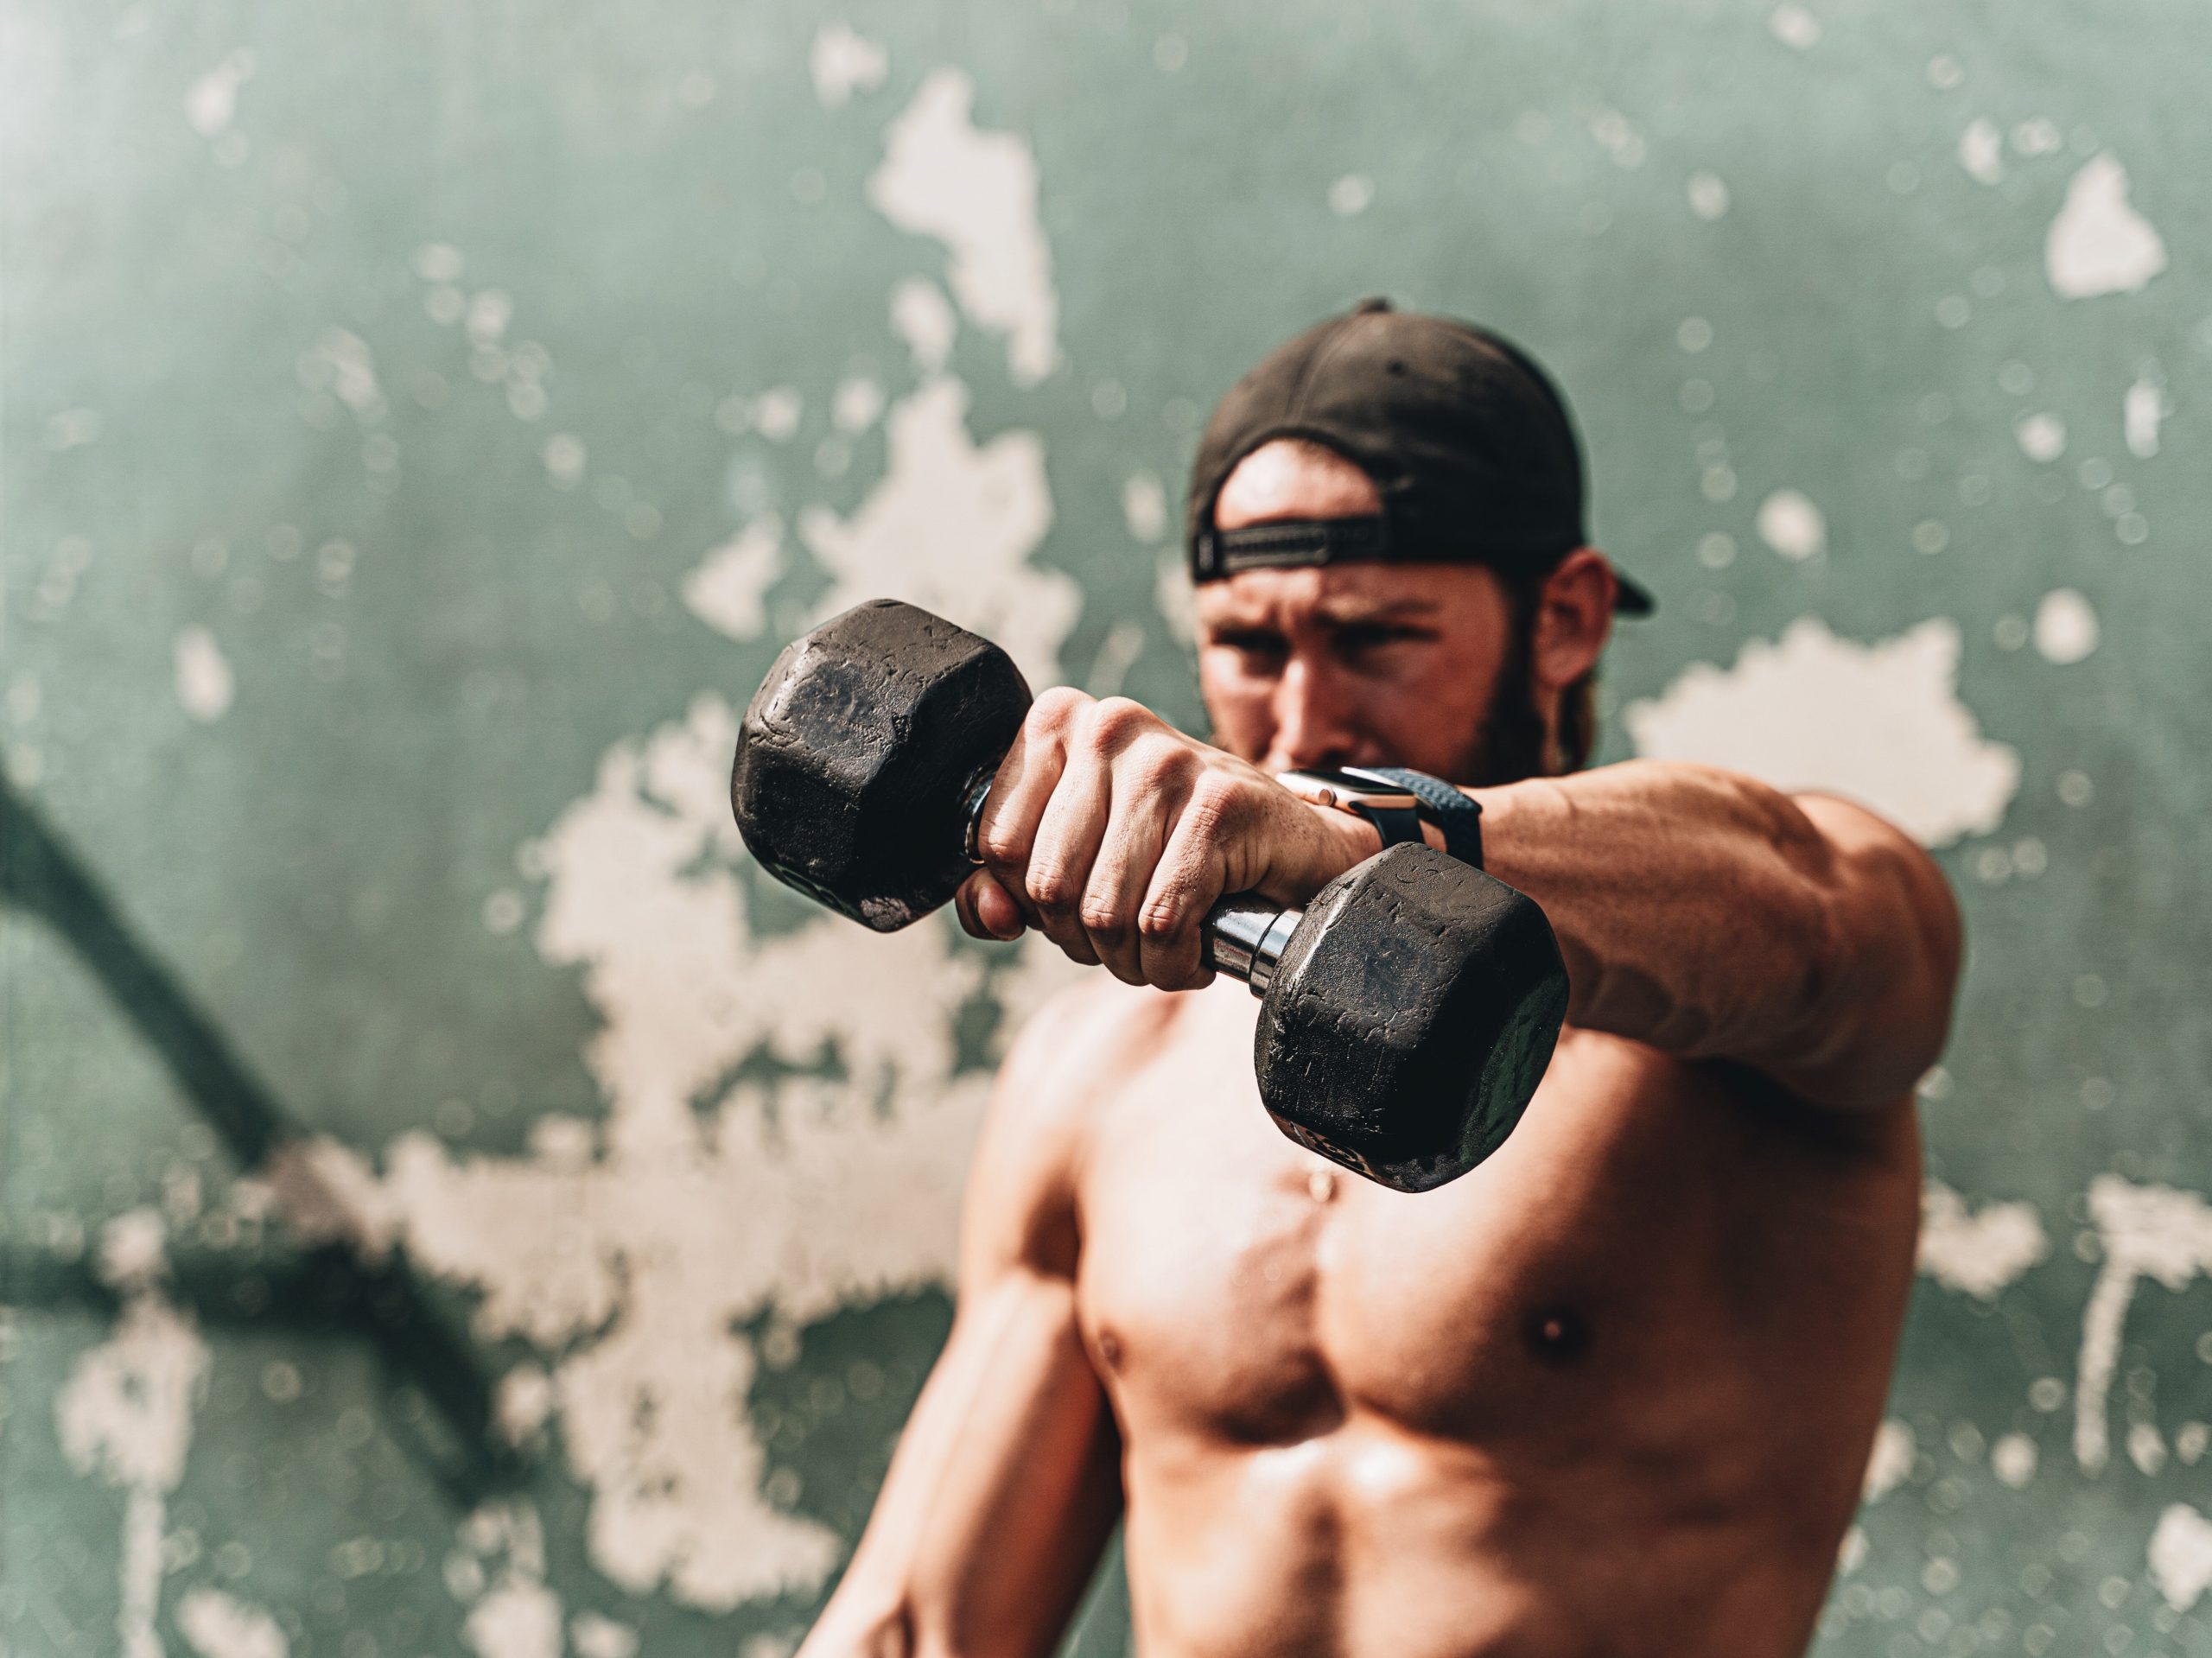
[1348,783]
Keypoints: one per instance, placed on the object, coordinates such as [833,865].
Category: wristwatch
[1397,802]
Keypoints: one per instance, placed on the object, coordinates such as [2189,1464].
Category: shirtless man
[1610,1392]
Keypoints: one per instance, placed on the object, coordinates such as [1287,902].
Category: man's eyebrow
[1356,614]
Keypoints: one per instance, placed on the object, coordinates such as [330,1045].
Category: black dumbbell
[1407,1015]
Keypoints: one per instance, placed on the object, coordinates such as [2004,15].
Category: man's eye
[1254,647]
[1356,641]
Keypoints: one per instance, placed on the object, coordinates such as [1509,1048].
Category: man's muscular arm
[1700,912]
[1709,916]
[1007,1480]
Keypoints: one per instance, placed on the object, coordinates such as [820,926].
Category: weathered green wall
[451,1205]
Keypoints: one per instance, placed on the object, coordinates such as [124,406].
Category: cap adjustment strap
[1274,546]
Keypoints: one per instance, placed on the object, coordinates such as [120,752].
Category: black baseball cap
[1468,444]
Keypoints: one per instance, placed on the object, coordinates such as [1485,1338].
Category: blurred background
[453,1205]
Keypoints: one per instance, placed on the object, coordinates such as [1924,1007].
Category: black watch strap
[1396,824]
[1457,817]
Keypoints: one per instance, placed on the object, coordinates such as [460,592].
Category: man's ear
[1574,617]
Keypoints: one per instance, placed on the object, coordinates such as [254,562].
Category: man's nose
[1314,727]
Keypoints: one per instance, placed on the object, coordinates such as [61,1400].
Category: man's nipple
[1556,1335]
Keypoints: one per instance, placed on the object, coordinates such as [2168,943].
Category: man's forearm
[1711,916]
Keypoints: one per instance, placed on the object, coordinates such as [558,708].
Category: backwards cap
[1469,445]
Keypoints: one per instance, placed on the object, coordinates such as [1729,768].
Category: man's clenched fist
[1113,833]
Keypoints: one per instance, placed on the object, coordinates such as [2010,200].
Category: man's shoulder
[1059,1077]
[1086,1036]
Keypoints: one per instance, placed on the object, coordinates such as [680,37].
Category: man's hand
[1113,833]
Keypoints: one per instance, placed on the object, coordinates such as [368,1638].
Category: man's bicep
[1020,1208]
[1000,1498]
[1007,1481]
[1893,940]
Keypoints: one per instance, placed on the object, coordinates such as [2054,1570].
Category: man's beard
[1511,744]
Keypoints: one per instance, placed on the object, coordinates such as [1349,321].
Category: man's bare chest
[1234,1286]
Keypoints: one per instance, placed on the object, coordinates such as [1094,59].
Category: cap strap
[1306,541]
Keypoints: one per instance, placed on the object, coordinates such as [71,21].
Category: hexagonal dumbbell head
[858,753]
[1411,1018]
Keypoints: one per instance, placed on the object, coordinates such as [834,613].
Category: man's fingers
[1067,844]
[1184,885]
[1135,832]
[987,910]
[1005,831]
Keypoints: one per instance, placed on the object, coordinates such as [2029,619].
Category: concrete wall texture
[453,1205]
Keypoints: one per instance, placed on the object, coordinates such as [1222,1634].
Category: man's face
[1359,664]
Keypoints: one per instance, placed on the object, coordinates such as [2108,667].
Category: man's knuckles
[1051,886]
[1220,805]
[1114,723]
[1005,839]
[1055,710]
[1162,921]
[1108,919]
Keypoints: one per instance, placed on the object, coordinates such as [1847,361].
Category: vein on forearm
[1694,908]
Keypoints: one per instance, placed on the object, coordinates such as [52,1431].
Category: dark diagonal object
[381,1299]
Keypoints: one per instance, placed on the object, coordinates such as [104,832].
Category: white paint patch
[1351,195]
[951,527]
[1175,599]
[2013,1459]
[490,311]
[1792,525]
[976,193]
[353,371]
[1144,506]
[1117,654]
[2065,626]
[2142,411]
[439,261]
[1981,1251]
[1795,26]
[843,63]
[516,1618]
[856,405]
[2181,1556]
[2190,1444]
[327,1194]
[2037,135]
[2146,1231]
[776,413]
[1981,152]
[564,459]
[725,591]
[1881,723]
[514,1614]
[595,1637]
[133,1253]
[1620,139]
[211,103]
[634,1254]
[204,683]
[923,317]
[1708,194]
[2146,1449]
[523,1403]
[1890,1461]
[2042,438]
[126,1412]
[2099,243]
[219,1626]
